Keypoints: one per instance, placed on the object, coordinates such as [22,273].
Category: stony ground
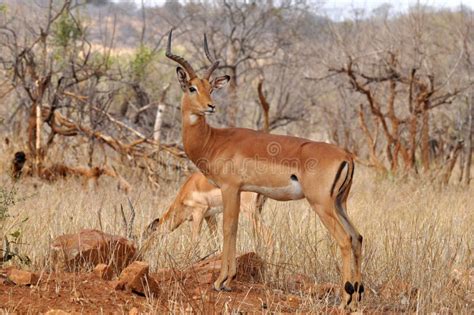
[86,293]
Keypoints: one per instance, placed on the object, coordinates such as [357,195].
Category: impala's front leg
[198,216]
[231,200]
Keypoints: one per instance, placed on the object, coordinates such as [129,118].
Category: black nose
[211,106]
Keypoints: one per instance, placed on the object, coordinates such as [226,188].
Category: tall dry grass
[418,240]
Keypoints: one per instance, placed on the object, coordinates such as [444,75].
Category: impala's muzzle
[210,109]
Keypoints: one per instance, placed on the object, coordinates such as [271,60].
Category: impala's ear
[182,78]
[220,82]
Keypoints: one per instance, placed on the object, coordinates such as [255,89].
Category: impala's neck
[196,133]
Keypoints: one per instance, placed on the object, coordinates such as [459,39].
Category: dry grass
[415,236]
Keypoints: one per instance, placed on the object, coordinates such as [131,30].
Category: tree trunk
[158,122]
[468,158]
[265,107]
[232,109]
[451,162]
[425,138]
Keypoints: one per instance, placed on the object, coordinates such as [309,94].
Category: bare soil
[86,293]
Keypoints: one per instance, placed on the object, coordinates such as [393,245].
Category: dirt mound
[137,291]
[86,249]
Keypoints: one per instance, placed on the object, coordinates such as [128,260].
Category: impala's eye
[192,89]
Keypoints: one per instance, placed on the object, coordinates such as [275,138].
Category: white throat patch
[193,119]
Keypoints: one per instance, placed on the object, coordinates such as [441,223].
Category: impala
[199,200]
[276,166]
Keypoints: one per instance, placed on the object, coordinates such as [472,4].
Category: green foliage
[66,30]
[143,57]
[3,8]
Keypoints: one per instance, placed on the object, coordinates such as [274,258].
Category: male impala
[199,200]
[280,167]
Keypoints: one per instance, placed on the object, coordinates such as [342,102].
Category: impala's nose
[212,108]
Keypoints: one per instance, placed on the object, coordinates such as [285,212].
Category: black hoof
[349,288]
[226,289]
[223,288]
[360,291]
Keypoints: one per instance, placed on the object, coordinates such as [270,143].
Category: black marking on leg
[361,290]
[294,177]
[234,276]
[349,288]
[350,300]
[338,174]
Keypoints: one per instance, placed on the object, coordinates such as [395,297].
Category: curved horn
[214,65]
[179,59]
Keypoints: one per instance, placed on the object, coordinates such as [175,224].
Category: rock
[88,248]
[250,267]
[104,271]
[22,277]
[135,278]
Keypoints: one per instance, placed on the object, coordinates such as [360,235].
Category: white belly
[291,192]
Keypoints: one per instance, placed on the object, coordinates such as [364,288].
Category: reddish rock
[135,278]
[88,248]
[22,277]
[250,268]
[104,272]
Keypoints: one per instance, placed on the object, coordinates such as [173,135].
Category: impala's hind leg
[356,239]
[327,214]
